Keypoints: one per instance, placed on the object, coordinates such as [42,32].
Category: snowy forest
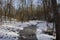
[29,19]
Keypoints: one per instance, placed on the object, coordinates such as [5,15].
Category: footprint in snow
[1,37]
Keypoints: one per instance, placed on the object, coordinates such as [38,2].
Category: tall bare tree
[9,6]
[56,18]
[1,3]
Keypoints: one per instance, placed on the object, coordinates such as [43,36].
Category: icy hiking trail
[10,31]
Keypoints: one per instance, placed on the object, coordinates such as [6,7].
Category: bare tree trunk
[56,18]
[10,5]
[31,8]
[22,17]
[44,4]
[1,16]
[1,12]
[27,11]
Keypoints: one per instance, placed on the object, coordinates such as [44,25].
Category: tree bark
[56,18]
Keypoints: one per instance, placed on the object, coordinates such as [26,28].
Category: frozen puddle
[41,36]
[44,37]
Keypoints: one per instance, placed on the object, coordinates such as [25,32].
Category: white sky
[16,2]
[58,1]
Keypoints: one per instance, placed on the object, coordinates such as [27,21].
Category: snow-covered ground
[9,31]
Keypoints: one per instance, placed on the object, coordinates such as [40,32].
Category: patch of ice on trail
[42,26]
[45,37]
